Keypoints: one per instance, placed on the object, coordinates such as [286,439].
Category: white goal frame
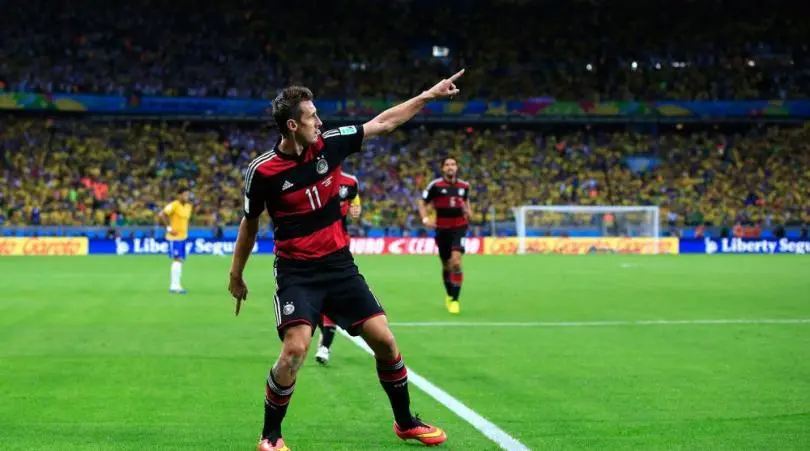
[520,217]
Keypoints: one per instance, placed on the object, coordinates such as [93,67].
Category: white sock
[177,270]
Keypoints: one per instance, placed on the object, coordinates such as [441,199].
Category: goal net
[576,229]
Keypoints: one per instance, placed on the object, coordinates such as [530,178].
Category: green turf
[95,354]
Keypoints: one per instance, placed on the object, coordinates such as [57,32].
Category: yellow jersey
[179,216]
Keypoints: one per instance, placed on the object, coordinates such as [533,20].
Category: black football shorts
[333,287]
[449,240]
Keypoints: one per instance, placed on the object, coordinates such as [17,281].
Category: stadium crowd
[73,172]
[578,50]
[99,173]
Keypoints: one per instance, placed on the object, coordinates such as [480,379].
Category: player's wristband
[169,229]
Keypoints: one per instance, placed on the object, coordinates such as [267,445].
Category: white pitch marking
[490,430]
[652,322]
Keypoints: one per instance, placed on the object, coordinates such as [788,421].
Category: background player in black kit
[349,205]
[298,184]
[450,197]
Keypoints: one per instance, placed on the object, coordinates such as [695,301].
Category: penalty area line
[653,322]
[490,430]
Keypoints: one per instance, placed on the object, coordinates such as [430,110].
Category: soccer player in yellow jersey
[176,217]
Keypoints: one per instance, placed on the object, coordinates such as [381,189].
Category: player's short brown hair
[444,160]
[286,106]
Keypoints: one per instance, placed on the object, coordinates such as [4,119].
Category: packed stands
[578,50]
[69,172]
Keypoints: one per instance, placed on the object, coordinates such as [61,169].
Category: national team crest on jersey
[461,192]
[344,192]
[321,167]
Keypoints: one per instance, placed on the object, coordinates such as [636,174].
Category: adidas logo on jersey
[287,185]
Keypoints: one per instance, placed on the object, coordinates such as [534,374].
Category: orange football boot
[425,433]
[266,445]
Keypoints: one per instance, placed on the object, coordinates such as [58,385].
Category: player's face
[309,126]
[185,196]
[450,168]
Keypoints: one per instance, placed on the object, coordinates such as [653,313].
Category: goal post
[594,223]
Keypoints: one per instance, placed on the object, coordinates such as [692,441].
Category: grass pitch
[96,354]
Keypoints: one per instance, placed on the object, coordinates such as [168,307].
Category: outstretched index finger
[456,76]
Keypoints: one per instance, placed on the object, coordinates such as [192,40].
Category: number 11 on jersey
[314,197]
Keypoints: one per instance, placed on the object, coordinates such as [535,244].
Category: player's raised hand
[239,291]
[446,87]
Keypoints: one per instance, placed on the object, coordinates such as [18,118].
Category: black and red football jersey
[302,194]
[448,199]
